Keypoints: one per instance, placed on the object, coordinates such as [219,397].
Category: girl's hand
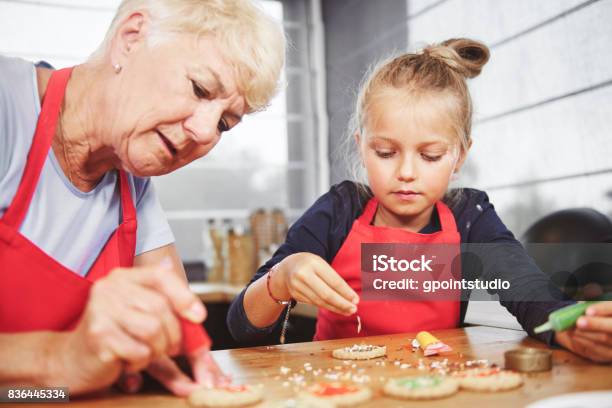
[307,278]
[592,336]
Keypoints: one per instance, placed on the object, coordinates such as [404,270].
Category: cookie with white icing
[359,352]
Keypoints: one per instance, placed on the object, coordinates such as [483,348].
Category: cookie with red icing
[337,393]
[488,379]
[421,387]
[226,396]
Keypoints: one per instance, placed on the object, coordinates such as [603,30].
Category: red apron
[36,291]
[387,317]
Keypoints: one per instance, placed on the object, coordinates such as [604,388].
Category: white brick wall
[544,101]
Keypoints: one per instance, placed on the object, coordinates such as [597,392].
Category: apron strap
[368,213]
[127,203]
[447,219]
[45,130]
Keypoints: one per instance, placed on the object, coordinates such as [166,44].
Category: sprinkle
[284,370]
[296,379]
[396,362]
[404,366]
[285,383]
[359,348]
[361,378]
[358,324]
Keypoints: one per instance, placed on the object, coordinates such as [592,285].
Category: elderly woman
[91,285]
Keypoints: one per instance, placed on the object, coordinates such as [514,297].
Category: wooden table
[261,365]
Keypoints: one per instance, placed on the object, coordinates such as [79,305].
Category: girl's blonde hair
[438,70]
[250,40]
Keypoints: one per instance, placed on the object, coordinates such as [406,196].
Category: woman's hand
[131,320]
[205,371]
[307,278]
[592,336]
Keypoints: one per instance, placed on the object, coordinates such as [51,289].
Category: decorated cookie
[359,352]
[421,387]
[488,379]
[336,393]
[227,396]
[303,402]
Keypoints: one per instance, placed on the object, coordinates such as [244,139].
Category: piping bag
[566,317]
[194,336]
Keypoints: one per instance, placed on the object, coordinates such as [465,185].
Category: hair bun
[461,54]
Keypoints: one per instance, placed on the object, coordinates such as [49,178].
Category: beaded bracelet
[268,278]
[288,303]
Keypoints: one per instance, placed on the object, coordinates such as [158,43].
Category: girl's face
[409,155]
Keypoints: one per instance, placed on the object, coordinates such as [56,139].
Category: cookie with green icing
[421,387]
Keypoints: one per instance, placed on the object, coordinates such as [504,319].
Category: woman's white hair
[252,42]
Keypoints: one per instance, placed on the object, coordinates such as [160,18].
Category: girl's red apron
[36,291]
[388,317]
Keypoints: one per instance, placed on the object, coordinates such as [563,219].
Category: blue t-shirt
[326,224]
[69,225]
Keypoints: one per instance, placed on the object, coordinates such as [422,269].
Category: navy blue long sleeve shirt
[326,224]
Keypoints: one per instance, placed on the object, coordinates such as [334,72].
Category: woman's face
[171,104]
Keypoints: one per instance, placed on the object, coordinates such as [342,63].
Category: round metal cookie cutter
[528,360]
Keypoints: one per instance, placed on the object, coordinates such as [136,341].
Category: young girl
[412,134]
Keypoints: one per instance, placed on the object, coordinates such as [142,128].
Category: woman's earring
[454,176]
[117,68]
